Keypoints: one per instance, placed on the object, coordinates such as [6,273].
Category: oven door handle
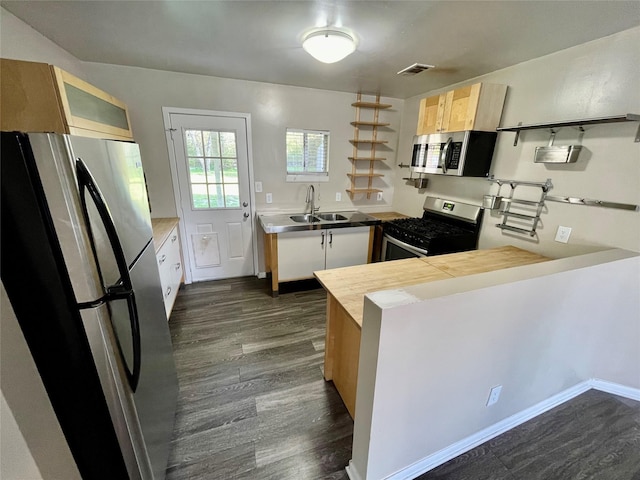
[406,246]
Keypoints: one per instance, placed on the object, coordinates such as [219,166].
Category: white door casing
[212,172]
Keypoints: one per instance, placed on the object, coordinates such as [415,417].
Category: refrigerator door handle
[123,290]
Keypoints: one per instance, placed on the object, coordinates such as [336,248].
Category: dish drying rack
[527,214]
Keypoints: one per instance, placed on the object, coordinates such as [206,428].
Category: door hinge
[171,130]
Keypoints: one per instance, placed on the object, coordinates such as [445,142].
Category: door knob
[245,204]
[245,215]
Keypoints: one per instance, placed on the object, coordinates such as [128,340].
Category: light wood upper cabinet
[431,114]
[37,97]
[474,107]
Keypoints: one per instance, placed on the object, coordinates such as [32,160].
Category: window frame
[305,176]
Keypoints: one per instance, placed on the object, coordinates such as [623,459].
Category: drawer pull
[178,266]
[174,238]
[168,292]
[162,259]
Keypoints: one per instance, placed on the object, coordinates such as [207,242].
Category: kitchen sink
[306,218]
[332,217]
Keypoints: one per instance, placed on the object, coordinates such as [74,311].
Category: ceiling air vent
[414,69]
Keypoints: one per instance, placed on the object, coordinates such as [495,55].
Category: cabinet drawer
[170,268]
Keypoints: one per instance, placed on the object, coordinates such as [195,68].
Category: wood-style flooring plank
[235,348]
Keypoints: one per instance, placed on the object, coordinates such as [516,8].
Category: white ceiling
[260,40]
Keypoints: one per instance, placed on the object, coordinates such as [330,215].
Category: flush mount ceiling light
[328,46]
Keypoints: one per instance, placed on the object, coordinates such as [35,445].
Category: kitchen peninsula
[346,288]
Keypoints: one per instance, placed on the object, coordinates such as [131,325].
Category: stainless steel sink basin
[306,218]
[332,217]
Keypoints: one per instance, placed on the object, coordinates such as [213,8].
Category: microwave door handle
[444,155]
[123,290]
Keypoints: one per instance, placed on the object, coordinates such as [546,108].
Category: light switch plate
[258,187]
[269,198]
[338,196]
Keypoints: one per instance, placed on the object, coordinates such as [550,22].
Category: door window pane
[230,170]
[232,194]
[196,171]
[199,196]
[214,171]
[213,168]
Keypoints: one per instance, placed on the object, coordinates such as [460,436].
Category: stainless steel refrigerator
[80,270]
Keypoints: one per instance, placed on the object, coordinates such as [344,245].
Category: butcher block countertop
[161,229]
[386,216]
[346,288]
[348,285]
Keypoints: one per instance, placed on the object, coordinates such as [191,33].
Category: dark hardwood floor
[593,436]
[253,403]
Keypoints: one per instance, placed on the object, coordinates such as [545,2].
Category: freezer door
[117,169]
[120,401]
[156,394]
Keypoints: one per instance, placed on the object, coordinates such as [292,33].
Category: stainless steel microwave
[462,154]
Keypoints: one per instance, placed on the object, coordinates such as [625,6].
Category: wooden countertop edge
[161,229]
[357,316]
[386,216]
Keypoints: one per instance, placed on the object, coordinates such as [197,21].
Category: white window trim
[319,177]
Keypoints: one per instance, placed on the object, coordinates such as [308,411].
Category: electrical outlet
[269,198]
[494,395]
[379,196]
[338,196]
[563,234]
[258,187]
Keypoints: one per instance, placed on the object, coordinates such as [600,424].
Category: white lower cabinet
[170,266]
[302,253]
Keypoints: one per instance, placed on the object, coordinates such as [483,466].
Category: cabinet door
[28,98]
[431,114]
[89,111]
[460,108]
[300,254]
[347,246]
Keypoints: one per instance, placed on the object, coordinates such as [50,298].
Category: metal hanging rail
[593,203]
[627,117]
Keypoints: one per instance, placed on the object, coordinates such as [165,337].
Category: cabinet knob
[174,238]
[245,215]
[178,266]
[322,235]
[162,259]
[330,238]
[168,292]
[245,204]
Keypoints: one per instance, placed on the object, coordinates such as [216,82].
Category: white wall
[19,41]
[273,108]
[430,353]
[599,78]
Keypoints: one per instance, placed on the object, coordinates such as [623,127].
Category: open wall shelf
[370,127]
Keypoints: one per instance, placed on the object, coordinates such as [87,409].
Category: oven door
[393,249]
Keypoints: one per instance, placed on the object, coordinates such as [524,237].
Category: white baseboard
[352,472]
[466,444]
[615,389]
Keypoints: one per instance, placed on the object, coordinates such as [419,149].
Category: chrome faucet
[311,199]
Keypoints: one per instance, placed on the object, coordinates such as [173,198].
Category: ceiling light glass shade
[329,46]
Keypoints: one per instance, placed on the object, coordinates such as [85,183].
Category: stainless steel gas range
[446,226]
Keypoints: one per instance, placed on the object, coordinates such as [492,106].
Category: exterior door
[212,168]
